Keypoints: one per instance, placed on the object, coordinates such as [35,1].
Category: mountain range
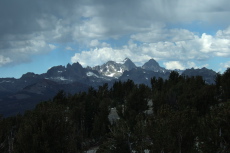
[18,95]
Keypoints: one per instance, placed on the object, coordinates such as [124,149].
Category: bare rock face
[152,65]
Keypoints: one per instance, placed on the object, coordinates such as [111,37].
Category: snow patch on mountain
[58,78]
[91,74]
[111,74]
[115,69]
[6,81]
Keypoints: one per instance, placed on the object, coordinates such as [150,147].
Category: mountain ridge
[18,95]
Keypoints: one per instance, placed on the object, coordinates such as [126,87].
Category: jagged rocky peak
[153,65]
[77,66]
[126,60]
[53,71]
[128,64]
[66,74]
[74,66]
[56,69]
[110,69]
[114,69]
[28,75]
[108,66]
[74,70]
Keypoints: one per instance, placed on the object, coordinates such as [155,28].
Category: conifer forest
[178,115]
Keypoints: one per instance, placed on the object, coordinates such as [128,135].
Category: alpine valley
[18,95]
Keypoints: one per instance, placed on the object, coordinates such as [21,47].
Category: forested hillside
[178,115]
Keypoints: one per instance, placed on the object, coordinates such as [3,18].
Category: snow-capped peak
[115,69]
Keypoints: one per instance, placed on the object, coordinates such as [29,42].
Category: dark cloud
[30,27]
[22,17]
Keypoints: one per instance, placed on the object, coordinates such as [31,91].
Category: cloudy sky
[38,34]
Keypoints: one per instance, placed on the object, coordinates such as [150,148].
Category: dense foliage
[181,114]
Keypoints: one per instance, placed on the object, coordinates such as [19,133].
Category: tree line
[180,114]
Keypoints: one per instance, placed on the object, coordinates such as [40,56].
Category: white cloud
[4,60]
[191,64]
[174,65]
[182,65]
[225,65]
[90,30]
[69,48]
[99,56]
[224,34]
[193,48]
[185,44]
[138,53]
[94,43]
[52,47]
[205,65]
[219,46]
[18,51]
[104,44]
[32,28]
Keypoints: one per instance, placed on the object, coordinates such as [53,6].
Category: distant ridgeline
[177,114]
[18,95]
